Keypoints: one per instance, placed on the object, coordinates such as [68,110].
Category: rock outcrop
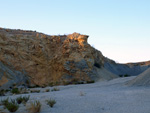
[33,58]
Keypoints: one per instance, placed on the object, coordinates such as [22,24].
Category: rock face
[131,69]
[28,57]
[141,80]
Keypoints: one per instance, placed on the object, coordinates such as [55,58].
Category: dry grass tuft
[51,102]
[35,107]
[82,93]
[55,89]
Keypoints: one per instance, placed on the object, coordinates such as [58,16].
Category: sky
[120,29]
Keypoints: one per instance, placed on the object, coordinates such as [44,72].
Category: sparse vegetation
[15,91]
[120,75]
[1,111]
[35,107]
[51,84]
[5,101]
[34,86]
[35,91]
[51,102]
[47,90]
[126,75]
[2,92]
[24,91]
[22,99]
[11,106]
[90,81]
[55,89]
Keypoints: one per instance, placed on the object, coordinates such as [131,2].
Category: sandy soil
[101,97]
[141,80]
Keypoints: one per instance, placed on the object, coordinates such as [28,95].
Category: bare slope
[131,69]
[141,80]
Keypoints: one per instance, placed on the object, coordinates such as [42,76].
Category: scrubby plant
[126,75]
[15,91]
[90,81]
[35,91]
[55,89]
[5,101]
[51,84]
[1,111]
[7,90]
[24,91]
[51,102]
[22,99]
[11,106]
[120,75]
[35,107]
[47,90]
[2,92]
[34,86]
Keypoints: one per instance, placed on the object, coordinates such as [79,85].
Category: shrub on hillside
[10,106]
[22,99]
[15,91]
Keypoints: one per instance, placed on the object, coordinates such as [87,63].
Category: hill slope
[141,80]
[131,69]
[33,58]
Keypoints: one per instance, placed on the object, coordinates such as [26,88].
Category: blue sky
[120,29]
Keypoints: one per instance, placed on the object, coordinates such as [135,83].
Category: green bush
[15,91]
[22,99]
[11,106]
[51,102]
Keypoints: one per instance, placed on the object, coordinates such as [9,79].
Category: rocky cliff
[33,58]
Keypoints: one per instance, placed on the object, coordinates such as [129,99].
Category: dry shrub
[51,102]
[35,107]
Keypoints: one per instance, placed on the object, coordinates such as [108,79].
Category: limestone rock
[28,57]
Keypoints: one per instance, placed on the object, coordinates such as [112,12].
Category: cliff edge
[33,58]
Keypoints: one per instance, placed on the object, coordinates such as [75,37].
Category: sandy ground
[101,97]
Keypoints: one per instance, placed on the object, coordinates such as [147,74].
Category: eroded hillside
[28,57]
